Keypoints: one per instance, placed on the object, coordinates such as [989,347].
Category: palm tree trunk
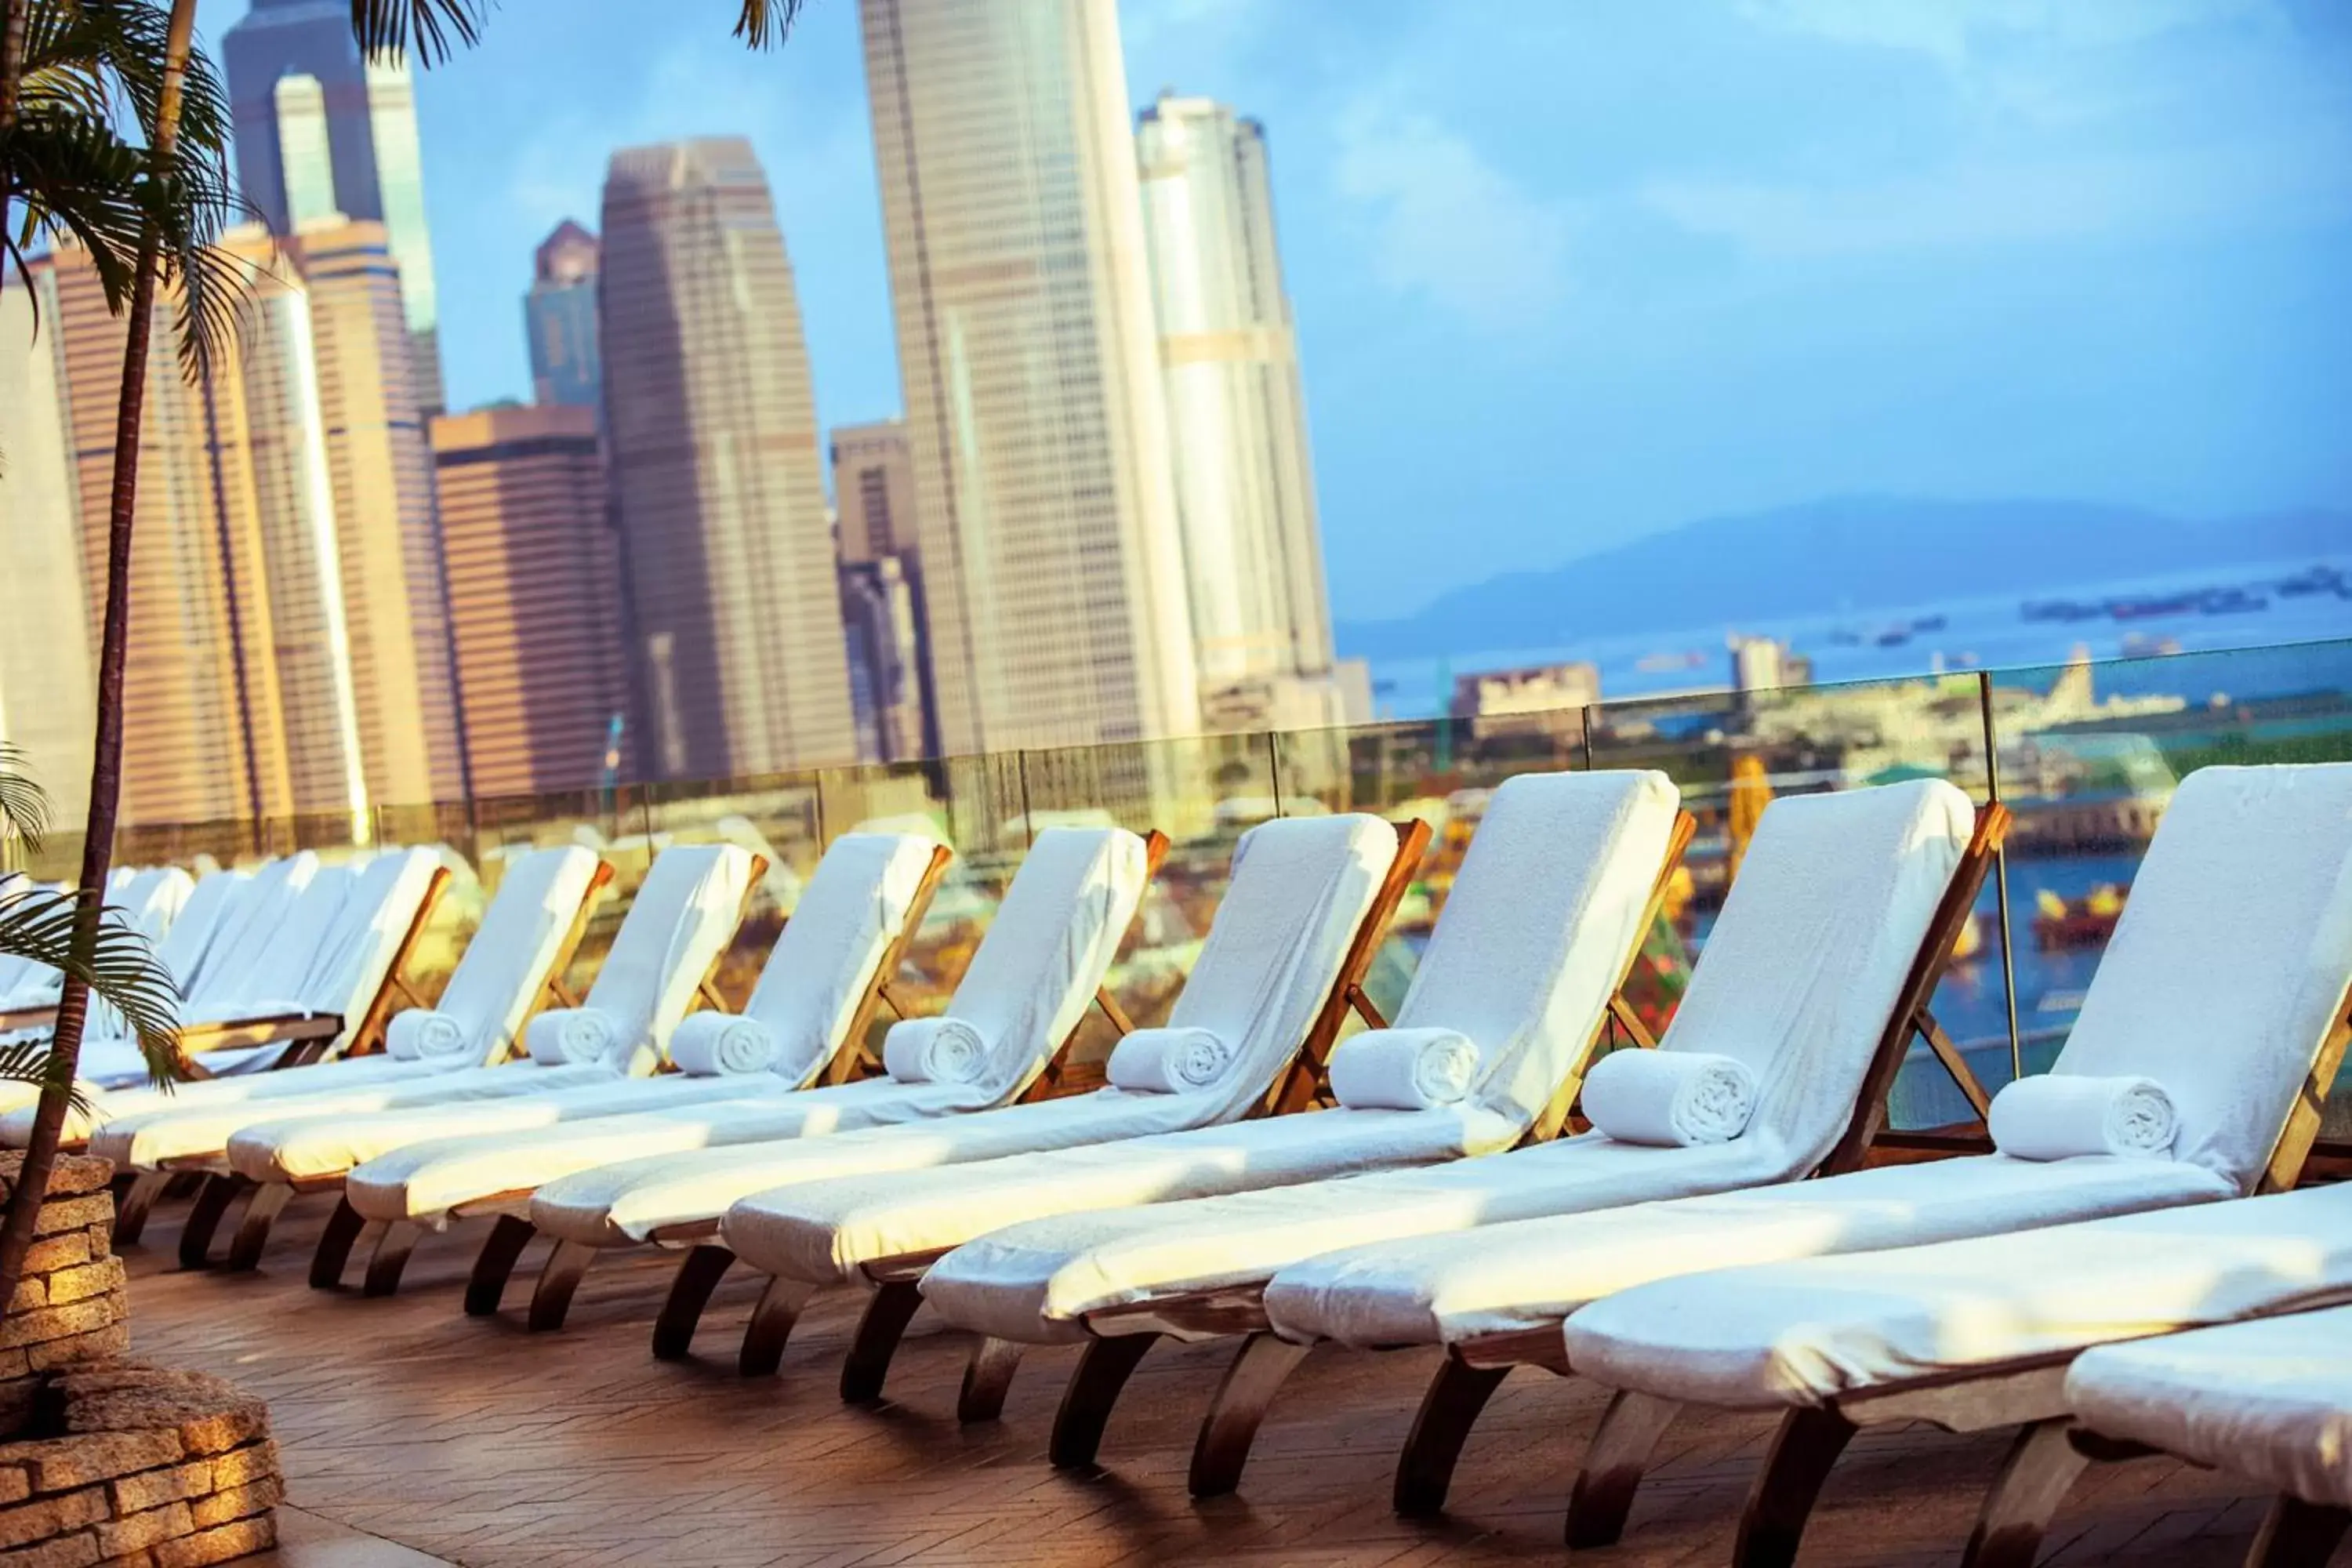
[106,766]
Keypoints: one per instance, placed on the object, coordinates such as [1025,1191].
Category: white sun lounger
[2270,1399]
[510,968]
[1019,1003]
[1297,925]
[1040,964]
[675,931]
[807,1018]
[148,901]
[2225,981]
[1967,1335]
[1814,978]
[1545,918]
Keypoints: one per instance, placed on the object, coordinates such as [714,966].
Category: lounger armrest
[27,1019]
[200,1039]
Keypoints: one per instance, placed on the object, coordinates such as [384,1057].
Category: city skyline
[1683,355]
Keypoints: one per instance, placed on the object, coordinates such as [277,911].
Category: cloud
[1447,225]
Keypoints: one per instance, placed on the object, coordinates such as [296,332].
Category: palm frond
[431,30]
[28,1061]
[78,176]
[24,803]
[117,966]
[765,23]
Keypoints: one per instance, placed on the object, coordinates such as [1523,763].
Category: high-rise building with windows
[203,735]
[874,491]
[1053,575]
[534,593]
[711,430]
[380,464]
[363,114]
[47,692]
[273,480]
[560,319]
[1245,487]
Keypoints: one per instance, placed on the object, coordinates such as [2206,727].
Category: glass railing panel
[2090,754]
[1732,754]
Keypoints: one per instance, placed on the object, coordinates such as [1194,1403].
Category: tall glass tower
[302,95]
[1237,421]
[1053,574]
[560,318]
[710,424]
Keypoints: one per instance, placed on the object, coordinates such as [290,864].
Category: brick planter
[109,1462]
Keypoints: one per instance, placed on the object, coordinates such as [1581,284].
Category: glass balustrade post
[2001,876]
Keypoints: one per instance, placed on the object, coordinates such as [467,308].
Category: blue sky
[1568,271]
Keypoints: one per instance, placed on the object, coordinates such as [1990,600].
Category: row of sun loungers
[1716,1238]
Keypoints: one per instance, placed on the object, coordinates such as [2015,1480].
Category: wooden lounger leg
[1449,1409]
[2034,1480]
[550,1299]
[879,1329]
[770,1327]
[335,1244]
[1093,1389]
[212,1206]
[261,1212]
[987,1378]
[137,1201]
[1256,1377]
[699,1274]
[1803,1451]
[390,1257]
[2298,1534]
[495,1264]
[1613,1466]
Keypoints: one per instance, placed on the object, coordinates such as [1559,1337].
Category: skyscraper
[362,113]
[874,491]
[46,695]
[534,593]
[712,435]
[203,740]
[1053,575]
[560,319]
[1245,487]
[381,466]
[266,441]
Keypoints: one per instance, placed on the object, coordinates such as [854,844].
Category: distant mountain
[1859,553]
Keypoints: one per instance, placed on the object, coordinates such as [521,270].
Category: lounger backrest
[684,916]
[356,961]
[497,983]
[252,926]
[854,907]
[1544,913]
[1042,958]
[273,984]
[151,900]
[189,945]
[1300,887]
[1808,957]
[2231,959]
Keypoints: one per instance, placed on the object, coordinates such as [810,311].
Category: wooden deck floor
[478,1443]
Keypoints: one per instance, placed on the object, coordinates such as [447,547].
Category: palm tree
[148,213]
[433,29]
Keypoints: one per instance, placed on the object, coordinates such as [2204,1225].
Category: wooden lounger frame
[568,1262]
[1472,1371]
[219,1188]
[1123,1335]
[898,1280]
[2027,1393]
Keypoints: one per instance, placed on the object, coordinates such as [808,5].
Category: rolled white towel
[1404,1069]
[717,1045]
[2055,1116]
[420,1034]
[1671,1098]
[934,1050]
[1168,1061]
[572,1035]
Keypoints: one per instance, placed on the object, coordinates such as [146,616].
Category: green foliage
[77,163]
[117,966]
[24,805]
